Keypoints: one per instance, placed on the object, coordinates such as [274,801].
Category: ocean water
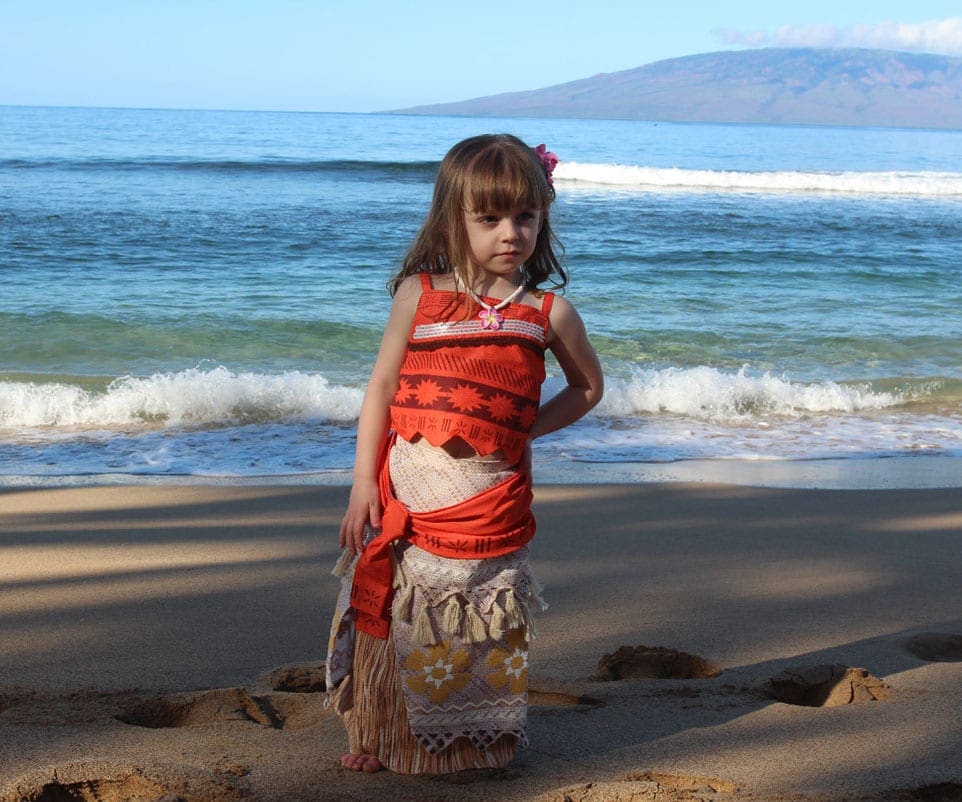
[201,294]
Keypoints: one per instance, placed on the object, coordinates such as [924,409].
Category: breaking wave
[622,176]
[186,398]
[706,393]
[220,397]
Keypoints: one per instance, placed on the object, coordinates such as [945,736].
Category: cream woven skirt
[447,690]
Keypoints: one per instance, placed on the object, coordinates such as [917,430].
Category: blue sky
[370,55]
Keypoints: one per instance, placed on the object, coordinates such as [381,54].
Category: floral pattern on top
[466,397]
[404,391]
[501,407]
[427,392]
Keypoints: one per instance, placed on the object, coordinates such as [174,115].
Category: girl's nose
[509,230]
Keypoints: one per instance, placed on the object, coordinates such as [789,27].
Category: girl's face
[500,242]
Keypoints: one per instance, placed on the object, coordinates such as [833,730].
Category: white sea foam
[624,176]
[812,436]
[707,393]
[218,396]
[219,423]
[189,397]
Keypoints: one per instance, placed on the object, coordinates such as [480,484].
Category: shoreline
[851,473]
[144,627]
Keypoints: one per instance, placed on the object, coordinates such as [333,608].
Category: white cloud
[934,36]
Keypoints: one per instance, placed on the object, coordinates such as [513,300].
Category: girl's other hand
[363,509]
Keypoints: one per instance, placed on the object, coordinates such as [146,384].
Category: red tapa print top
[459,379]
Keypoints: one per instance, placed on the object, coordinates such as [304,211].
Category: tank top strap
[425,282]
[546,303]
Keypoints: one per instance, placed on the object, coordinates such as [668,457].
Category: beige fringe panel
[378,723]
[372,697]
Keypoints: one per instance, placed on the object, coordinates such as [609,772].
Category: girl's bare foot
[367,763]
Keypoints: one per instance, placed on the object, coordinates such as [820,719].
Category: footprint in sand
[297,703]
[558,698]
[935,647]
[278,711]
[647,785]
[128,787]
[940,792]
[299,679]
[203,707]
[826,685]
[113,783]
[654,662]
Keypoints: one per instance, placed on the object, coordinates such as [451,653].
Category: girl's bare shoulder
[564,320]
[562,309]
[410,287]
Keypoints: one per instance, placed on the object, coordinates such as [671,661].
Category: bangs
[502,180]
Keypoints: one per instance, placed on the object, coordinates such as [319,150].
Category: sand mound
[106,783]
[278,711]
[827,685]
[550,698]
[685,782]
[935,647]
[941,792]
[299,679]
[645,786]
[656,662]
[126,789]
[206,707]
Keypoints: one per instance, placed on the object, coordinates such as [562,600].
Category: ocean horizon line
[520,118]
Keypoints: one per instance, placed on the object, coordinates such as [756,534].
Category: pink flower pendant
[491,319]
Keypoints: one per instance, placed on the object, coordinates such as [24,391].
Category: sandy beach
[166,642]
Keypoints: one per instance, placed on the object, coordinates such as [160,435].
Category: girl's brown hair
[491,173]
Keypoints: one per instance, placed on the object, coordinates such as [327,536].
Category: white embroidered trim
[464,327]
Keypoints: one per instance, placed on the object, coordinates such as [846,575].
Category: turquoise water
[201,293]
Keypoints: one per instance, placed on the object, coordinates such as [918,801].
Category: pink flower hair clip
[548,161]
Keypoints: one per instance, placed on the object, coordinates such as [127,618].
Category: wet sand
[143,629]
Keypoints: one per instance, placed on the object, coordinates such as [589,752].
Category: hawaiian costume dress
[428,655]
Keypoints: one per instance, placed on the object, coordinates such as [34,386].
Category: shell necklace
[491,317]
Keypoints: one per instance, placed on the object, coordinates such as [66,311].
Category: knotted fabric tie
[492,523]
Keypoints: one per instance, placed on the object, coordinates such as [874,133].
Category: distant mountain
[774,85]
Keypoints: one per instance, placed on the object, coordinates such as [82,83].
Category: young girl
[427,661]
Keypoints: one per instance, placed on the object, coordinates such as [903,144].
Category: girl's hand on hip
[363,509]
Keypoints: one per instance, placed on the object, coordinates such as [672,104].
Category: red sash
[495,522]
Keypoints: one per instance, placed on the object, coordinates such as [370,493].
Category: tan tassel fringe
[402,604]
[531,631]
[474,630]
[343,563]
[497,627]
[398,579]
[513,613]
[452,615]
[423,632]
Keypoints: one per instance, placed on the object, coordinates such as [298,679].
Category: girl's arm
[364,506]
[581,368]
